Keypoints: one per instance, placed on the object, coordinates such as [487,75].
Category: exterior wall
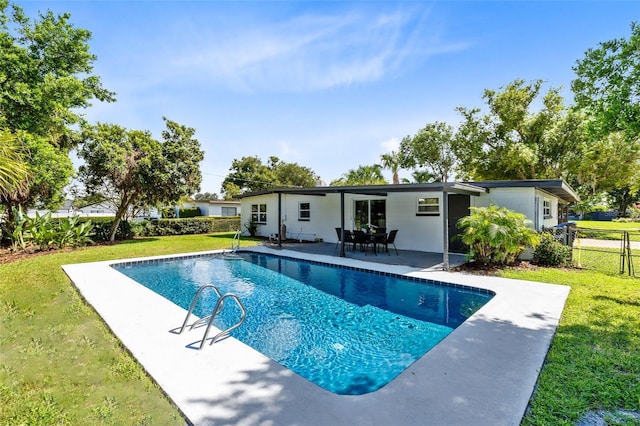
[522,200]
[423,233]
[214,208]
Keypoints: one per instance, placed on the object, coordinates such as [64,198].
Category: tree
[45,81]
[607,89]
[363,175]
[129,169]
[607,85]
[431,149]
[393,162]
[205,196]
[249,174]
[45,74]
[292,174]
[14,170]
[513,142]
[50,170]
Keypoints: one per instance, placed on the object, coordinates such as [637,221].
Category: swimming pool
[349,331]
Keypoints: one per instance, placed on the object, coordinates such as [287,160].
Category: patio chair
[348,237]
[390,239]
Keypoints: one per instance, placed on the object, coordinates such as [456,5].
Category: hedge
[198,225]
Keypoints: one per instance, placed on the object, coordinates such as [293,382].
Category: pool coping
[483,373]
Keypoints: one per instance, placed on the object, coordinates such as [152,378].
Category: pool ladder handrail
[216,310]
[235,242]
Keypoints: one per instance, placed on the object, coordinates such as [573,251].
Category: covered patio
[415,259]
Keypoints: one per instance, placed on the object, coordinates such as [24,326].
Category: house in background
[95,210]
[425,215]
[217,207]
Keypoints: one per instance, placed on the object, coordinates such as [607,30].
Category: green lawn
[59,363]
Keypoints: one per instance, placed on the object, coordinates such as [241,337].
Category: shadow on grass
[137,240]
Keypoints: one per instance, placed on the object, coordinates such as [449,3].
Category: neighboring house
[217,207]
[95,210]
[425,214]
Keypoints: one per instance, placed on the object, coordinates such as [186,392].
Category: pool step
[216,310]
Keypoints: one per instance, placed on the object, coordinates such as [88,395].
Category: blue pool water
[348,331]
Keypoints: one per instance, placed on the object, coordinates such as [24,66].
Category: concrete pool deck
[483,373]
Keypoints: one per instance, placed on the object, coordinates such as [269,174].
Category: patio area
[411,258]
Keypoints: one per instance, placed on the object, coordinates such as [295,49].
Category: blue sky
[327,85]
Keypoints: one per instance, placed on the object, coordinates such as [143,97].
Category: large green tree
[46,74]
[46,79]
[607,85]
[250,174]
[607,90]
[431,149]
[512,141]
[363,175]
[130,169]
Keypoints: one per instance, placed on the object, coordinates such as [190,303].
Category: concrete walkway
[483,373]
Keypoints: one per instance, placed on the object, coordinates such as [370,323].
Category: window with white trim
[259,213]
[229,211]
[304,212]
[429,206]
[546,209]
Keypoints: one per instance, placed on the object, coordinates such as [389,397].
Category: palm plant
[392,161]
[14,170]
[496,235]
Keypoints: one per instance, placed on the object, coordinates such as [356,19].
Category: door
[458,207]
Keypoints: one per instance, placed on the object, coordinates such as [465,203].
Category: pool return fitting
[216,310]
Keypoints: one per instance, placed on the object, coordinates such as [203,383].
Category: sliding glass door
[370,212]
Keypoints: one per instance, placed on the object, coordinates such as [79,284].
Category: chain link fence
[621,245]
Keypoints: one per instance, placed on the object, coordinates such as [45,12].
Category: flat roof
[453,187]
[557,187]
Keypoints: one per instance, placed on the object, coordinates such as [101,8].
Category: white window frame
[229,211]
[304,213]
[546,208]
[259,213]
[425,206]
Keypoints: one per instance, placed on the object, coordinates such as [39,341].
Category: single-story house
[217,207]
[425,214]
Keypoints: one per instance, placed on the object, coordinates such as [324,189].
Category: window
[371,212]
[259,213]
[428,206]
[229,211]
[546,209]
[304,212]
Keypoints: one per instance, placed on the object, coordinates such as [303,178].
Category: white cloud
[389,145]
[307,53]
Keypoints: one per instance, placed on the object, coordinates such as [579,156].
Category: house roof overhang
[376,190]
[557,187]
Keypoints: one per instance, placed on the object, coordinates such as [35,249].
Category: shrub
[102,226]
[496,235]
[189,212]
[550,252]
[252,227]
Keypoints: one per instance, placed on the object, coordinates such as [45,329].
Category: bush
[550,252]
[102,226]
[189,212]
[496,235]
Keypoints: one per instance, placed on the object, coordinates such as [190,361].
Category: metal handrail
[236,239]
[215,311]
[193,305]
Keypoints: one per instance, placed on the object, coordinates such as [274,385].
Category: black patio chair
[348,237]
[390,239]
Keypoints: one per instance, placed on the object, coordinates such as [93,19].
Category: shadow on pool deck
[412,258]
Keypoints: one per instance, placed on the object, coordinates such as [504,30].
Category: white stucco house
[425,215]
[217,207]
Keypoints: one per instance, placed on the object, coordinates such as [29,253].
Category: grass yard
[615,229]
[59,363]
[594,360]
